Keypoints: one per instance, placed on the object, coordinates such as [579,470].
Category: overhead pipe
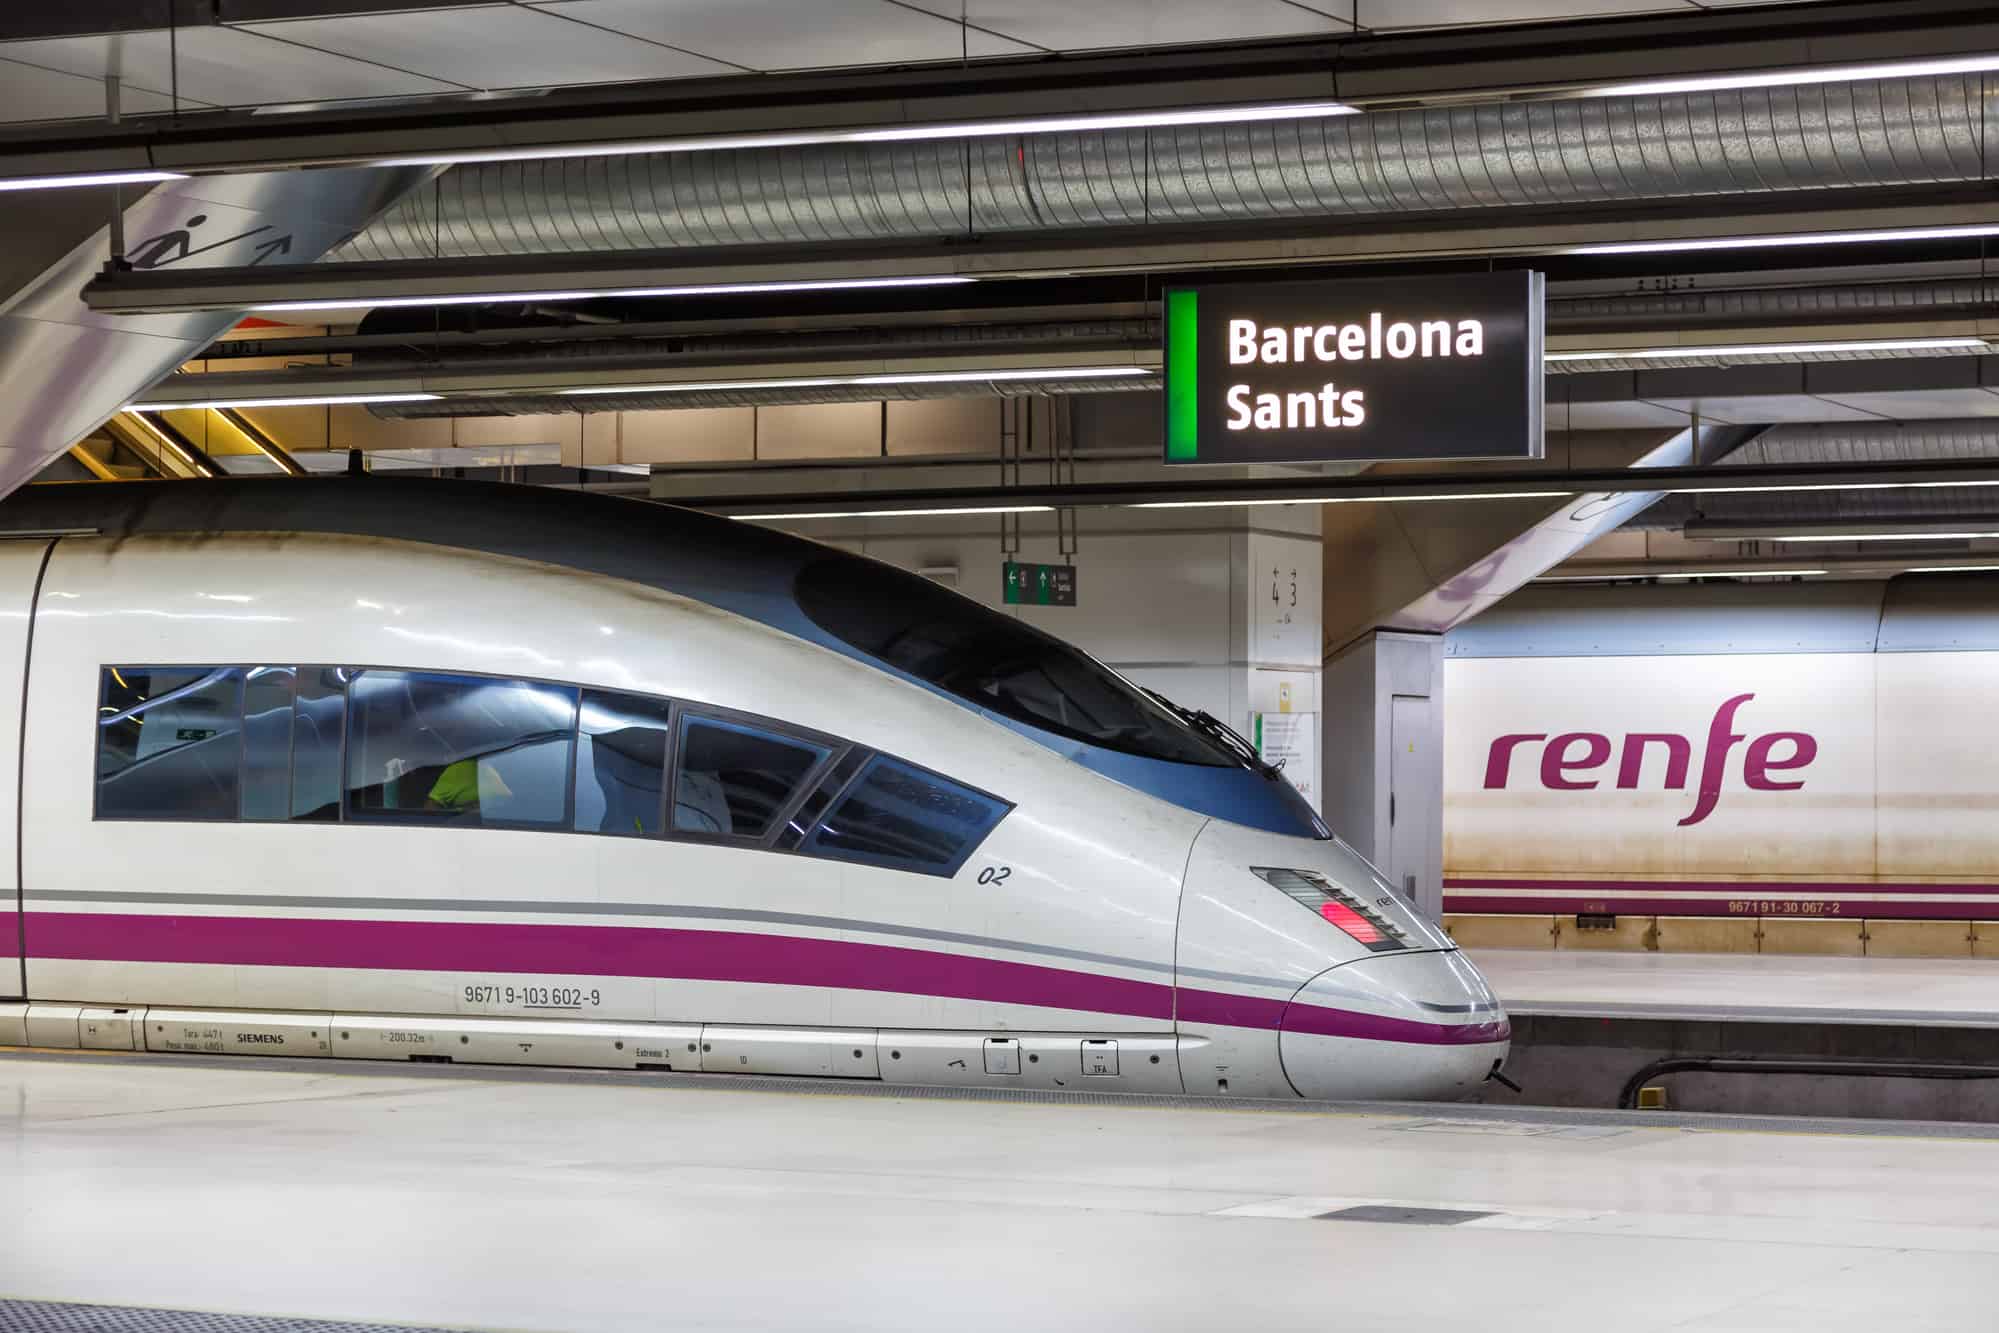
[1476,157]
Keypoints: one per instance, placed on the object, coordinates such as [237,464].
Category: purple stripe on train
[686,955]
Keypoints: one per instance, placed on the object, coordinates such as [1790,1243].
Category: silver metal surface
[68,369]
[1924,131]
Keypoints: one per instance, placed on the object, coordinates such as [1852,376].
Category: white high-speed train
[449,771]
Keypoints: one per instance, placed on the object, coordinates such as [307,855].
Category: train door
[20,571]
[1412,813]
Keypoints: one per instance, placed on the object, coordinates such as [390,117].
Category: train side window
[267,742]
[319,713]
[904,818]
[169,742]
[465,751]
[621,763]
[732,778]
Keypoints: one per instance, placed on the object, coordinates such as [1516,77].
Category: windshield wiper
[1220,733]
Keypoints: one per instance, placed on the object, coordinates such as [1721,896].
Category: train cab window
[319,715]
[463,751]
[169,742]
[899,816]
[733,779]
[621,763]
[993,660]
[267,742]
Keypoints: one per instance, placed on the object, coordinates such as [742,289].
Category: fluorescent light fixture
[324,400]
[963,129]
[1788,238]
[1953,569]
[1028,373]
[863,381]
[1681,574]
[900,513]
[609,293]
[1790,78]
[1739,574]
[1349,499]
[1879,537]
[1771,349]
[1826,486]
[90,178]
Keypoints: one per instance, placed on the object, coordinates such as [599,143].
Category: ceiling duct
[1531,154]
[1817,303]
[1833,443]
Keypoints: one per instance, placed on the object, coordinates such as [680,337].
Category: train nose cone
[1405,1027]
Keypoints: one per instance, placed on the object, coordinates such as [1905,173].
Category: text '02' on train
[450,771]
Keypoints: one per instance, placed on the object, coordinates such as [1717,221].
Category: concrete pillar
[1383,704]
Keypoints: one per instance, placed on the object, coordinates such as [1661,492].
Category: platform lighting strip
[963,129]
[324,400]
[1828,486]
[619,293]
[1969,230]
[90,178]
[1874,537]
[1791,78]
[1770,349]
[1682,574]
[862,381]
[1349,499]
[898,513]
[1952,569]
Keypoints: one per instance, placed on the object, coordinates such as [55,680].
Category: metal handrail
[1627,1097]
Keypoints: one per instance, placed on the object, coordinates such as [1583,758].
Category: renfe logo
[1577,752]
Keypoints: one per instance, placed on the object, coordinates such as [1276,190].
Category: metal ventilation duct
[1920,131]
[1847,442]
[641,401]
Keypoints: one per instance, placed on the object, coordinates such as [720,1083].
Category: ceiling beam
[1366,488]
[1364,69]
[280,288]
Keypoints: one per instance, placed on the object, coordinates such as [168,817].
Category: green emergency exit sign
[1039,585]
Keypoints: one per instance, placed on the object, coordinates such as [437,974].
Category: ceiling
[430,50]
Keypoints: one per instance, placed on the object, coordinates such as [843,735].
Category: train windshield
[993,660]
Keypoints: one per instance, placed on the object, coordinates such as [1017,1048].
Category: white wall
[1180,601]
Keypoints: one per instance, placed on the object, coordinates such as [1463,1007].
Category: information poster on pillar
[1355,370]
[1291,741]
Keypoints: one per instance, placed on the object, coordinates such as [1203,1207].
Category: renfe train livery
[441,771]
[1788,750]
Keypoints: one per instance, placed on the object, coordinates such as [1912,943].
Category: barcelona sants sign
[1350,371]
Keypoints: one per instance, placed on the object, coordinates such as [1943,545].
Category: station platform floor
[1929,992]
[538,1200]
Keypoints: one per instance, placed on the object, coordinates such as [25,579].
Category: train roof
[740,567]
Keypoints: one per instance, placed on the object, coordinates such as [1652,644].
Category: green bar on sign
[1183,331]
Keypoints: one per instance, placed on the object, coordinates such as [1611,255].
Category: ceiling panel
[1765,409]
[226,67]
[1923,404]
[494,48]
[782,34]
[1611,416]
[1392,15]
[29,92]
[1077,25]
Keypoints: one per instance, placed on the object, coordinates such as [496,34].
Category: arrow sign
[1038,585]
[281,245]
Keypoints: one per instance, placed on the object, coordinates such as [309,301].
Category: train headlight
[1366,926]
